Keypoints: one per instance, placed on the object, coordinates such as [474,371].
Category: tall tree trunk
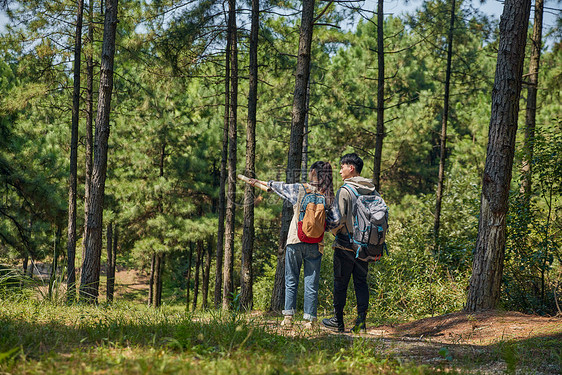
[380,97]
[443,143]
[110,269]
[304,162]
[188,276]
[158,273]
[531,110]
[246,287]
[71,243]
[222,184]
[111,274]
[157,280]
[487,267]
[207,272]
[198,258]
[151,281]
[89,282]
[295,146]
[89,119]
[228,282]
[55,263]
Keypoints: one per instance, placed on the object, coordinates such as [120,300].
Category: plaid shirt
[290,192]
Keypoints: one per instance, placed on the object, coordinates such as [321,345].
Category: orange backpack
[312,217]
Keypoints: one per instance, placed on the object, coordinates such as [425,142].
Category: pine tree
[71,244]
[485,282]
[89,282]
[294,160]
[246,288]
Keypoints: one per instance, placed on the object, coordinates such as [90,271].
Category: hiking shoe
[311,324]
[360,325]
[287,321]
[334,324]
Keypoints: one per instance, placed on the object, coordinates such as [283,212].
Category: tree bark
[246,287]
[302,76]
[228,282]
[304,162]
[443,140]
[55,263]
[110,272]
[379,137]
[89,283]
[151,280]
[188,276]
[71,243]
[222,184]
[158,272]
[206,272]
[157,280]
[89,121]
[531,110]
[198,258]
[485,282]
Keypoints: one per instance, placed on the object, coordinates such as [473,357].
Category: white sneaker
[287,321]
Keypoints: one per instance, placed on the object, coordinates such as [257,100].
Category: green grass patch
[45,338]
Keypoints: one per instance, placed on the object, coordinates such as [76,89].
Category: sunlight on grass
[44,338]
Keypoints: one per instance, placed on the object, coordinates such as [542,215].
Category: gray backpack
[370,224]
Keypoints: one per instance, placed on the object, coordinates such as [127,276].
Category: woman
[297,251]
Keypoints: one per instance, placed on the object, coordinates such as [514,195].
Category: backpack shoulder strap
[352,191]
[301,195]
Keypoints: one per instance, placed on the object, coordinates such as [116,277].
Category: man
[345,263]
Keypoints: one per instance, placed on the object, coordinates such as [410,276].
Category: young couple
[338,220]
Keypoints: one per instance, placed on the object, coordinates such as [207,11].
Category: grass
[124,338]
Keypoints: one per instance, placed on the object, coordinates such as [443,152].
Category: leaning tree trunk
[380,97]
[487,267]
[227,274]
[72,182]
[246,287]
[295,146]
[443,143]
[531,112]
[89,282]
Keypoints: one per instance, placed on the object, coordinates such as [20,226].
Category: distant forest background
[190,94]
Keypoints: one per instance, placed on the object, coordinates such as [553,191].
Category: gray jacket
[364,186]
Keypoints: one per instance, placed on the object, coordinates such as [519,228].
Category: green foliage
[533,253]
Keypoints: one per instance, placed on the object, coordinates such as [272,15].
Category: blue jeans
[295,256]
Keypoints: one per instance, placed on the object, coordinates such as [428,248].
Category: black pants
[345,265]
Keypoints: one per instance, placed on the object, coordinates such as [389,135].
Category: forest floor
[491,342]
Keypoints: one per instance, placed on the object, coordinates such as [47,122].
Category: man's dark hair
[352,159]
